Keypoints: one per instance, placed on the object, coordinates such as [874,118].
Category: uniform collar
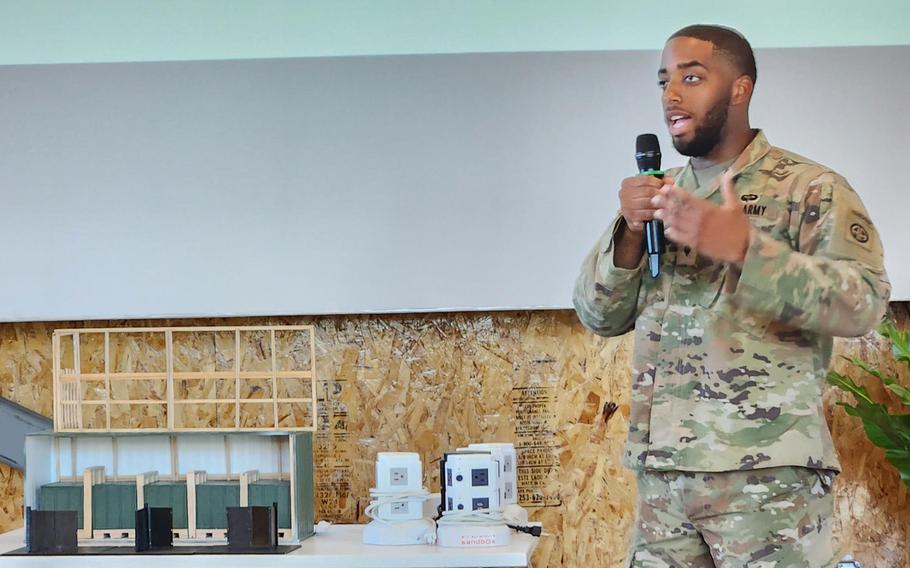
[757,149]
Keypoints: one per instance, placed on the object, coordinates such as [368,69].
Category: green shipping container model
[114,506]
[62,496]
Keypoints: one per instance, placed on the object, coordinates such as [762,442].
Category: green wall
[74,31]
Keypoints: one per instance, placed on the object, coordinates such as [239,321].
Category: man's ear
[741,90]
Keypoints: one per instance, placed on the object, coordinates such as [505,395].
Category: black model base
[50,532]
[252,528]
[53,533]
[154,528]
[175,551]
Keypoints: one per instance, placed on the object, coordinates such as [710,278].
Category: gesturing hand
[717,231]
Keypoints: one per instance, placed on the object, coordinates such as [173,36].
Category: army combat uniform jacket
[728,364]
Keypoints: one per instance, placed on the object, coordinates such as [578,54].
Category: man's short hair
[728,42]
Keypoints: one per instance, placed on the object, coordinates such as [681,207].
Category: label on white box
[473,536]
[479,540]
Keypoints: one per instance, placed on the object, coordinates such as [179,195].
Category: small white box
[399,472]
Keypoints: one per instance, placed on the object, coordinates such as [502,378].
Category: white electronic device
[471,501]
[400,474]
[397,508]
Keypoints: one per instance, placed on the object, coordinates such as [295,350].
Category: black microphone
[647,155]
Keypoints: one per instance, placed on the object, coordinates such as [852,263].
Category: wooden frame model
[194,418]
[251,378]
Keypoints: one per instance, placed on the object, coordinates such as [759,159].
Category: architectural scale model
[195,420]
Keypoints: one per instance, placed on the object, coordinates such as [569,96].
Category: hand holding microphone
[635,196]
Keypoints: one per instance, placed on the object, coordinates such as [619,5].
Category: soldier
[770,256]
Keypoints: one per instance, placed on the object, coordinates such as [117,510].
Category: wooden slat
[274,357]
[58,408]
[313,417]
[107,378]
[176,430]
[77,362]
[189,375]
[169,356]
[242,375]
[237,376]
[119,376]
[241,401]
[124,401]
[178,329]
[175,466]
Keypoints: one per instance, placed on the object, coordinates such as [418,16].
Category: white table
[341,546]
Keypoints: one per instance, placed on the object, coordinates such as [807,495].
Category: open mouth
[679,123]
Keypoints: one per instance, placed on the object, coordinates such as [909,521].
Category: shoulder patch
[859,233]
[854,235]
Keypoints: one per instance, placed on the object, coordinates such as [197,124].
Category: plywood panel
[432,382]
[10,498]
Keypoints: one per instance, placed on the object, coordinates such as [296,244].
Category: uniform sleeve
[835,282]
[605,295]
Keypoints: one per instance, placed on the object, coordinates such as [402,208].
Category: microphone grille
[647,143]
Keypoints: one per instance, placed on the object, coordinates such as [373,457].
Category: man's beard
[707,135]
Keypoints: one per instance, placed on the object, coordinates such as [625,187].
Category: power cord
[381,498]
[533,530]
[476,517]
[487,517]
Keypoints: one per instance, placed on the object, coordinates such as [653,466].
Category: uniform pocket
[712,293]
[698,280]
[751,322]
[710,287]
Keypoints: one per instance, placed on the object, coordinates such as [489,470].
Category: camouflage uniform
[765,518]
[732,362]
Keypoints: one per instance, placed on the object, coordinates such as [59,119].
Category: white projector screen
[375,184]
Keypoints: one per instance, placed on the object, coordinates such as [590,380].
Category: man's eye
[691,78]
[662,84]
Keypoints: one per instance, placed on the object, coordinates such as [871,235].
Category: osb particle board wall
[434,382]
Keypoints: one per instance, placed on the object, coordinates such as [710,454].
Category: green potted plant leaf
[891,432]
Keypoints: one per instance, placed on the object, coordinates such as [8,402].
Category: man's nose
[671,94]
